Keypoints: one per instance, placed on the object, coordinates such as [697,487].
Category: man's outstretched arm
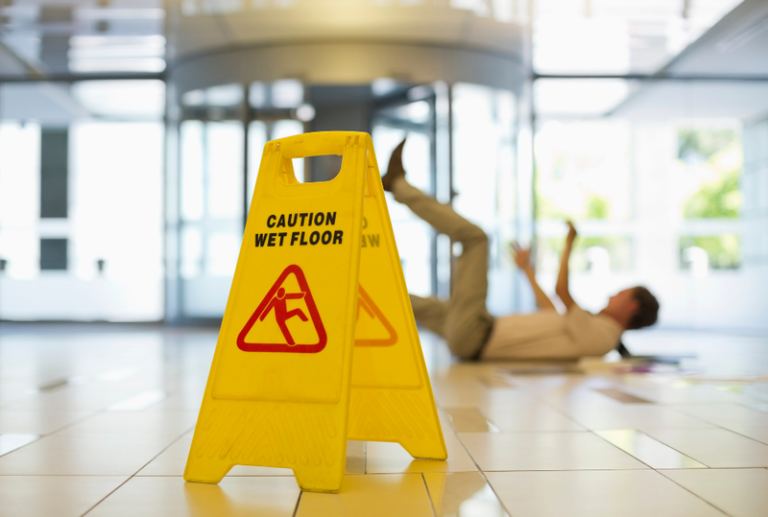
[522,258]
[562,278]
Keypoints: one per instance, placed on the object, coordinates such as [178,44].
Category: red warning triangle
[366,304]
[276,303]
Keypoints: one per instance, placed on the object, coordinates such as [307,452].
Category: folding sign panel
[318,344]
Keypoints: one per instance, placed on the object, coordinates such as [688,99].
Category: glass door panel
[415,238]
[211,213]
[484,180]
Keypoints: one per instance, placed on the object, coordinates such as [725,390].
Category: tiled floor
[98,420]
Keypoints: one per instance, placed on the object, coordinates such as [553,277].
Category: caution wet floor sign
[318,344]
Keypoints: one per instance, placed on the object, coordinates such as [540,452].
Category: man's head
[633,308]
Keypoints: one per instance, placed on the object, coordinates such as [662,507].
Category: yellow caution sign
[318,344]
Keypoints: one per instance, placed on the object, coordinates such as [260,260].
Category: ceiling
[43,37]
[196,30]
[745,100]
[714,39]
[731,60]
[737,46]
[144,36]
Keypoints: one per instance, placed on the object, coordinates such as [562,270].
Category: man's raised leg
[430,312]
[467,321]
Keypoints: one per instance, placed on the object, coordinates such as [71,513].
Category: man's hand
[572,233]
[522,258]
[521,255]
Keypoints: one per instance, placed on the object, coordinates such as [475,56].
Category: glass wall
[461,148]
[81,222]
[486,180]
[413,120]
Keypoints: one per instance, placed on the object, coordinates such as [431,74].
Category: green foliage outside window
[598,207]
[719,198]
[702,145]
[724,251]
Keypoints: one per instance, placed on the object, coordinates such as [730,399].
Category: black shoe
[395,169]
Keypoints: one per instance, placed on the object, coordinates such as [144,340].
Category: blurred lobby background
[131,133]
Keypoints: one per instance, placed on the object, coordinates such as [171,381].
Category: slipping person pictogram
[276,300]
[366,333]
[280,305]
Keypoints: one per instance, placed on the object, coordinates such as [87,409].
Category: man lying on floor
[470,330]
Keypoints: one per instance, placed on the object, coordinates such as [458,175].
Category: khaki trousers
[463,320]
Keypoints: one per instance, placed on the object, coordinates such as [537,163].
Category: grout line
[133,475]
[482,473]
[673,448]
[298,501]
[695,494]
[109,494]
[592,431]
[45,435]
[429,495]
[81,420]
[718,426]
[39,437]
[625,452]
[649,435]
[638,459]
[32,396]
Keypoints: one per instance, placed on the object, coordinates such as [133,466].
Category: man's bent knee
[472,235]
[464,349]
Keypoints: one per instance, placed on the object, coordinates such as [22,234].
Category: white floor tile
[636,416]
[46,496]
[469,420]
[171,496]
[530,417]
[726,415]
[738,492]
[651,452]
[628,493]
[758,404]
[546,451]
[83,456]
[756,433]
[38,422]
[717,448]
[139,423]
[679,393]
[545,437]
[462,493]
[401,495]
[10,442]
[77,398]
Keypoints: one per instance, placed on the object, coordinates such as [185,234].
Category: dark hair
[647,311]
